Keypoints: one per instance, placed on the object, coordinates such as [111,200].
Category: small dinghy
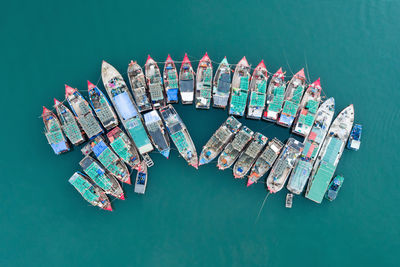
[53,132]
[354,141]
[186,81]
[334,188]
[141,179]
[289,200]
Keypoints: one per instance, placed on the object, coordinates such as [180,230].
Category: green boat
[308,109]
[101,178]
[53,132]
[293,95]
[89,191]
[69,124]
[275,96]
[258,88]
[155,83]
[240,88]
[108,159]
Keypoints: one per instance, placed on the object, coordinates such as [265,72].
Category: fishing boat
[222,85]
[284,165]
[141,179]
[275,96]
[53,132]
[89,191]
[124,147]
[232,151]
[101,178]
[289,200]
[107,158]
[312,145]
[171,80]
[139,86]
[258,90]
[308,109]
[127,110]
[355,138]
[330,154]
[179,134]
[69,125]
[84,114]
[155,83]
[240,88]
[219,139]
[334,188]
[157,132]
[293,95]
[204,83]
[186,81]
[249,155]
[103,109]
[265,161]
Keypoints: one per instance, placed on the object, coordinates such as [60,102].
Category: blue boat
[334,188]
[354,141]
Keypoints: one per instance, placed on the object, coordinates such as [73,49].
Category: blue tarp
[99,148]
[125,106]
[59,147]
[172,94]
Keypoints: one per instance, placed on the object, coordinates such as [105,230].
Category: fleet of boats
[150,121]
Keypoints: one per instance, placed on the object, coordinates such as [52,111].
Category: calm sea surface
[199,217]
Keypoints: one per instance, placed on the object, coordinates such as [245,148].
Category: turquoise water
[204,217]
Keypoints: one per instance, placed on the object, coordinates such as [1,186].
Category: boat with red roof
[171,80]
[204,83]
[186,81]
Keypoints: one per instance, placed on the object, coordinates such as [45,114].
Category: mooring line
[262,206]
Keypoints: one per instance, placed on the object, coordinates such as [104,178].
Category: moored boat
[53,132]
[69,125]
[186,81]
[157,132]
[289,200]
[124,147]
[83,112]
[355,138]
[330,154]
[265,161]
[222,85]
[179,134]
[138,84]
[126,108]
[312,144]
[108,159]
[240,88]
[308,109]
[141,179]
[103,109]
[258,88]
[204,83]
[249,155]
[334,188]
[284,165]
[155,83]
[171,80]
[275,96]
[232,151]
[101,178]
[293,95]
[219,139]
[89,191]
